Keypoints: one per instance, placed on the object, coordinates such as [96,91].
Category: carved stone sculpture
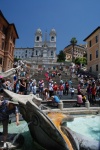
[49,134]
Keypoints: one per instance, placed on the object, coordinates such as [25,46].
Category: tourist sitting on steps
[7,108]
[79,100]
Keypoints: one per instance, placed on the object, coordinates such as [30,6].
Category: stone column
[60,105]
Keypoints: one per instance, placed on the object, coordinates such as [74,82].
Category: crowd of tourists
[22,83]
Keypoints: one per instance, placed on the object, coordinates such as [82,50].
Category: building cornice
[75,46]
[92,33]
[1,14]
[12,24]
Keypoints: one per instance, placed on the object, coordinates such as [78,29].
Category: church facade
[44,50]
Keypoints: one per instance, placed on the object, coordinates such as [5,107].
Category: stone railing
[9,72]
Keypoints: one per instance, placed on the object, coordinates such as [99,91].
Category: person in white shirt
[34,88]
[51,91]
[72,90]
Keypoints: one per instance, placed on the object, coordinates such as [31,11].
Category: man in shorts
[7,108]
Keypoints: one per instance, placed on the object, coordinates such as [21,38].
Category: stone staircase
[41,76]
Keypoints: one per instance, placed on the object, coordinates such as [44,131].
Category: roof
[14,29]
[75,45]
[92,33]
[8,23]
[1,14]
[25,48]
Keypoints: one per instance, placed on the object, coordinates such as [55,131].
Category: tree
[85,54]
[61,56]
[82,60]
[73,42]
[16,59]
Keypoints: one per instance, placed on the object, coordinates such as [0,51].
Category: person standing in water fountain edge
[7,108]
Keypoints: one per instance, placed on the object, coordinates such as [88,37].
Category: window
[90,69]
[26,51]
[4,29]
[0,61]
[96,39]
[90,57]
[51,53]
[96,67]
[90,44]
[0,27]
[12,51]
[36,52]
[10,48]
[37,38]
[14,40]
[3,44]
[11,36]
[96,53]
[41,54]
[52,38]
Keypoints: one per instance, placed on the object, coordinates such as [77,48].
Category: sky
[70,18]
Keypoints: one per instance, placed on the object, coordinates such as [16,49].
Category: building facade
[93,51]
[23,53]
[44,50]
[79,51]
[8,36]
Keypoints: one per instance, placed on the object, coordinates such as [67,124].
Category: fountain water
[18,136]
[20,131]
[88,125]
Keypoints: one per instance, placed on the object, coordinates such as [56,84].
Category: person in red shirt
[55,88]
[61,88]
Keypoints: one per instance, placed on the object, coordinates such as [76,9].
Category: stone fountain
[46,132]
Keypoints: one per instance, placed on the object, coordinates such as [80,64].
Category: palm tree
[73,42]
